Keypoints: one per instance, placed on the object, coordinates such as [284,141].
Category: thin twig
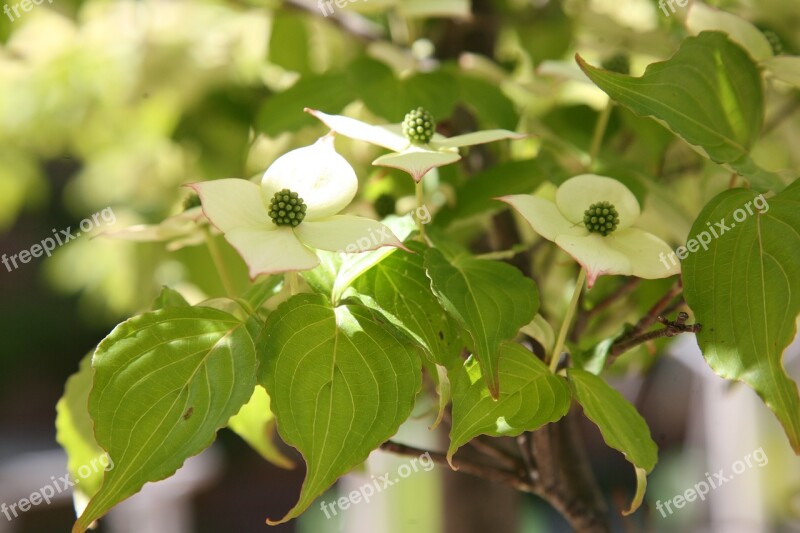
[652,315]
[671,329]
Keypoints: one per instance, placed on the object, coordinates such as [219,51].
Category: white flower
[415,159]
[623,250]
[323,181]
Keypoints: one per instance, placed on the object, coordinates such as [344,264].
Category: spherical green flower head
[602,218]
[418,126]
[774,41]
[191,201]
[620,63]
[385,205]
[287,209]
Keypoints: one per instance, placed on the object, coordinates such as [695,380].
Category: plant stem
[562,335]
[293,282]
[213,250]
[420,204]
[599,131]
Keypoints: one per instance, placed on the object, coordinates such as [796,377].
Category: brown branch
[671,329]
[585,316]
[467,466]
[652,315]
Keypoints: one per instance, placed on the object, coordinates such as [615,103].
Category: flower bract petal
[345,233]
[233,203]
[543,216]
[648,255]
[361,131]
[271,251]
[575,195]
[324,179]
[478,137]
[417,161]
[595,254]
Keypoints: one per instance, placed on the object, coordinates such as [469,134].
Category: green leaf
[477,195]
[622,427]
[745,291]
[354,265]
[530,397]
[289,44]
[718,107]
[164,383]
[488,101]
[400,290]
[258,293]
[283,112]
[490,300]
[169,298]
[373,81]
[341,382]
[75,431]
[255,423]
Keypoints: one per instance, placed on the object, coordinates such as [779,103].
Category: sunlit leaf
[341,382]
[745,291]
[530,396]
[490,300]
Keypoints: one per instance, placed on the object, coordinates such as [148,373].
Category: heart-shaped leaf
[400,290]
[340,380]
[164,383]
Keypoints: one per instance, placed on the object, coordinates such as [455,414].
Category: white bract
[324,181]
[626,250]
[416,160]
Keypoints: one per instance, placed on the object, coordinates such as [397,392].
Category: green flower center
[287,209]
[774,41]
[418,126]
[191,201]
[601,218]
[385,205]
[619,63]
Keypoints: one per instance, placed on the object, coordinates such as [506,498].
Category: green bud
[601,218]
[620,63]
[385,205]
[774,41]
[286,208]
[191,201]
[418,126]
